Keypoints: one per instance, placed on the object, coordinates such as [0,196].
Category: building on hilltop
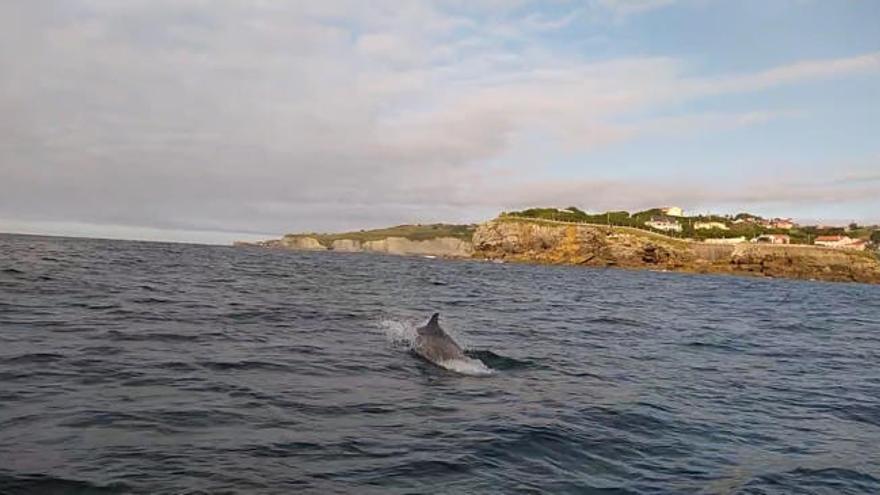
[772,239]
[673,211]
[777,223]
[858,245]
[710,225]
[783,223]
[664,224]
[840,242]
[832,240]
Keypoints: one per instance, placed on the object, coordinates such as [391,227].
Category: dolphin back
[434,344]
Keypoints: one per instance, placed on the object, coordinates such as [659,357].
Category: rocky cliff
[447,247]
[554,243]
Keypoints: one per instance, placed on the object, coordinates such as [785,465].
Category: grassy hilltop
[417,232]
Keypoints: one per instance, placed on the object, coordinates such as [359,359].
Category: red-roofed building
[858,245]
[840,242]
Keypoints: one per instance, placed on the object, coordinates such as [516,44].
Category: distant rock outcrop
[544,242]
[590,245]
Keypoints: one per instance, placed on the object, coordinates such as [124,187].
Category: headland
[744,245]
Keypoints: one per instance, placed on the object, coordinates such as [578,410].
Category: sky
[208,121]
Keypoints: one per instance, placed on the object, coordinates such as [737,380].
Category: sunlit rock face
[593,245]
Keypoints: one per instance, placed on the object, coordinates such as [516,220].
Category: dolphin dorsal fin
[432,327]
[434,321]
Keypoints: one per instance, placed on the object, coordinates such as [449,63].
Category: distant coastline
[565,236]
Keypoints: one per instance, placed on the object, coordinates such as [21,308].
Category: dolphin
[435,345]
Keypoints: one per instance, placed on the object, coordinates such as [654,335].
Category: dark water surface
[163,368]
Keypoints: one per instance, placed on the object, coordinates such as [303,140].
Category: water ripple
[130,367]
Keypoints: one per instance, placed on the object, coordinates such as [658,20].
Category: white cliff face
[347,246]
[441,246]
[449,247]
[302,243]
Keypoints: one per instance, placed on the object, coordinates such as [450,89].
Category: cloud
[786,190]
[859,178]
[807,70]
[538,22]
[267,117]
[625,7]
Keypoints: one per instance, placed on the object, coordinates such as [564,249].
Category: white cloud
[788,189]
[256,117]
[624,7]
[788,74]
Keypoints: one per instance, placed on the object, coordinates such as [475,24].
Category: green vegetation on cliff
[742,225]
[638,219]
[417,232]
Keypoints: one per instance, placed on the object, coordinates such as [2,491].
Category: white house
[673,211]
[664,224]
[772,239]
[710,226]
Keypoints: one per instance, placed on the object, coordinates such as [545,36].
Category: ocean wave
[815,480]
[243,365]
[29,484]
[36,357]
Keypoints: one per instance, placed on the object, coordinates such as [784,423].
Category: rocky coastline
[544,242]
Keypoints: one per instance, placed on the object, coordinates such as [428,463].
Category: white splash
[399,334]
[402,335]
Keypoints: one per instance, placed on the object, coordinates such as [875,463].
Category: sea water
[133,367]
